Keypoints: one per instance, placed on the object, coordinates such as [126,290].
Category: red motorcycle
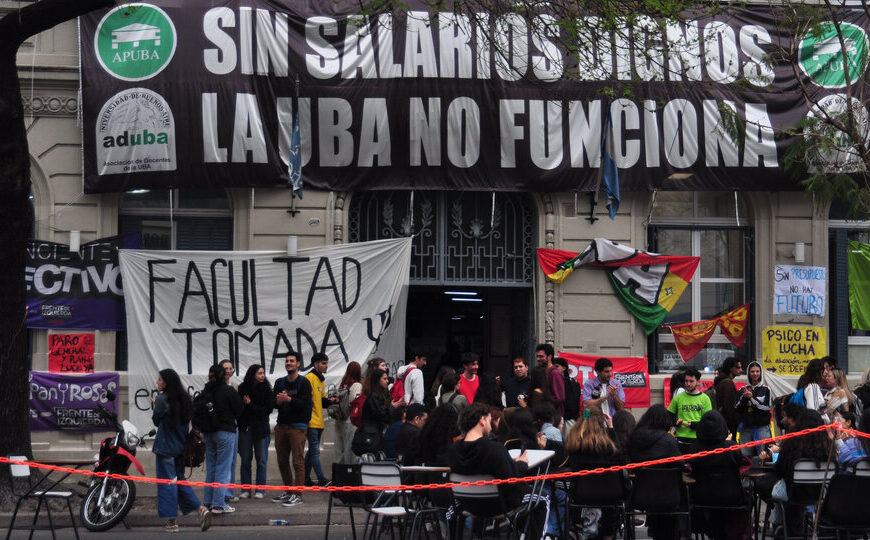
[108,500]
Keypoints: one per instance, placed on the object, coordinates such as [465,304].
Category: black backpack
[204,416]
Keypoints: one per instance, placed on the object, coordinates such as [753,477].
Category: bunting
[691,337]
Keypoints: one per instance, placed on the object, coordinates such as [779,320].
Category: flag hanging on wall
[859,284]
[691,337]
[648,284]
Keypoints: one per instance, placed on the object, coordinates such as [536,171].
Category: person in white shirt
[412,379]
[810,384]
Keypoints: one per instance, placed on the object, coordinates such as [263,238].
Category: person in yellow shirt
[320,363]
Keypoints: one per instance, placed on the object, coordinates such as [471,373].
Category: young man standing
[294,404]
[320,363]
[555,380]
[469,381]
[726,391]
[518,384]
[690,406]
[412,379]
[603,390]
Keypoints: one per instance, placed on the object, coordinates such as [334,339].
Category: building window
[187,219]
[713,226]
[469,238]
[849,346]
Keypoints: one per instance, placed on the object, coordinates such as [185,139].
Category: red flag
[691,337]
[733,324]
[631,371]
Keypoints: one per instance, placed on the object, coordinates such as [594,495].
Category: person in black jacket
[518,384]
[408,441]
[475,453]
[220,444]
[369,438]
[254,432]
[753,410]
[294,403]
[715,475]
[650,440]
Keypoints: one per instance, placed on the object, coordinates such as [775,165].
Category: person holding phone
[603,391]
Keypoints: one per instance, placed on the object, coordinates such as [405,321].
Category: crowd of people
[469,420]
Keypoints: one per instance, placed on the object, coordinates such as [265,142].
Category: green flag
[859,284]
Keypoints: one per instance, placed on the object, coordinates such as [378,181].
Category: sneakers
[281,498]
[324,482]
[245,495]
[227,509]
[231,499]
[171,526]
[293,500]
[258,495]
[204,519]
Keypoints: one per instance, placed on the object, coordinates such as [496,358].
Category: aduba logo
[821,55]
[134,42]
[135,133]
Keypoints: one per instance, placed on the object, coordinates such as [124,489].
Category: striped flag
[648,284]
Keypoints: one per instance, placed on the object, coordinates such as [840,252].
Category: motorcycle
[108,500]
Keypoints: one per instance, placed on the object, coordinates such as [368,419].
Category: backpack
[356,408]
[398,390]
[450,401]
[340,410]
[798,397]
[711,393]
[204,417]
[573,396]
[194,449]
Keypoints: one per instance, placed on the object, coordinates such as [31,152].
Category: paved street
[299,532]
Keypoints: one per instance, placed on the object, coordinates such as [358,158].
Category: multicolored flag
[859,284]
[294,165]
[648,284]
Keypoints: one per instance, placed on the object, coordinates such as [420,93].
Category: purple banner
[81,290]
[69,402]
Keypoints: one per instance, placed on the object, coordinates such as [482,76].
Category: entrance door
[472,266]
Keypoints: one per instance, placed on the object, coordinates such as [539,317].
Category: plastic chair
[717,491]
[862,468]
[603,490]
[808,481]
[20,473]
[480,502]
[658,492]
[389,504]
[844,508]
[347,475]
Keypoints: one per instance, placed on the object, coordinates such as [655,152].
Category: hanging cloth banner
[189,310]
[76,290]
[203,94]
[691,337]
[631,371]
[69,402]
[648,284]
[859,284]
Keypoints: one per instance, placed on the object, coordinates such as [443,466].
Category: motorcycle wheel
[116,503]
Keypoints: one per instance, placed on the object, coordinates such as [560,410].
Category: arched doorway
[472,270]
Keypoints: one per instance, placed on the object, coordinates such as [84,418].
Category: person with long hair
[489,391]
[815,446]
[589,446]
[650,440]
[172,410]
[369,438]
[438,434]
[254,432]
[437,385]
[623,426]
[753,410]
[839,397]
[810,383]
[349,389]
[220,444]
[855,449]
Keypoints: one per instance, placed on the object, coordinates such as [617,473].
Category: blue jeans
[219,450]
[233,464]
[312,456]
[171,497]
[556,518]
[748,434]
[253,449]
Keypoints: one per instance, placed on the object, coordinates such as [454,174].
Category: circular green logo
[821,56]
[135,41]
